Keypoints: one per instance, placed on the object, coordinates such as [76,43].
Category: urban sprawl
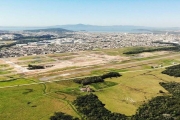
[79,41]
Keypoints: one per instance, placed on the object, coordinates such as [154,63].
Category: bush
[32,67]
[110,75]
[62,116]
[88,80]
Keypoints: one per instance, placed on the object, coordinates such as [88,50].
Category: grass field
[31,57]
[133,90]
[138,84]
[16,80]
[122,95]
[36,102]
[5,69]
[3,66]
[120,51]
[61,55]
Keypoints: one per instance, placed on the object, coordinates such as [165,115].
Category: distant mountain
[114,28]
[50,30]
[34,29]
[95,28]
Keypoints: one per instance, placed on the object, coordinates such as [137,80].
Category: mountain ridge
[87,27]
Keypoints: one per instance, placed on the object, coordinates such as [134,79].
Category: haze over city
[151,13]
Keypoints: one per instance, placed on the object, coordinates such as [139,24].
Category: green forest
[96,79]
[141,50]
[172,71]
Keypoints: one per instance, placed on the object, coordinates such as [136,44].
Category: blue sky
[156,13]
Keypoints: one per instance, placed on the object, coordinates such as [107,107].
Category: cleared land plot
[89,63]
[82,59]
[101,69]
[36,62]
[150,54]
[61,61]
[5,69]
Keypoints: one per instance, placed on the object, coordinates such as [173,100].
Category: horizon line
[92,25]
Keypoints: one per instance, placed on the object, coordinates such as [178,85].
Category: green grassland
[4,65]
[5,70]
[14,80]
[35,102]
[133,90]
[138,84]
[31,57]
[113,52]
[102,71]
[123,95]
[8,77]
[100,86]
[61,55]
[120,51]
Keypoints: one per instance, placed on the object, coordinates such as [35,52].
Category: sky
[152,13]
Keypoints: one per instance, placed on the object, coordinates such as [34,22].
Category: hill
[50,30]
[96,28]
[115,28]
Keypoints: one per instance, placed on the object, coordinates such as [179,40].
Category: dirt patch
[82,59]
[150,54]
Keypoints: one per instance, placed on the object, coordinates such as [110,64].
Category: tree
[62,116]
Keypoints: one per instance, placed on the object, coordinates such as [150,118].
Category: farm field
[37,94]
